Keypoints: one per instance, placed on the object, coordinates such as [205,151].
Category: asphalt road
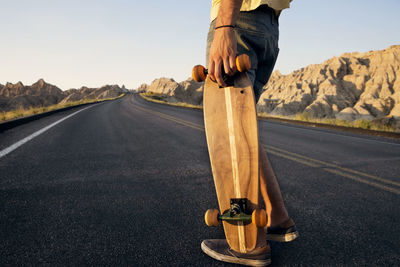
[127,182]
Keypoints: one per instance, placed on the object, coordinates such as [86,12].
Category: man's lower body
[257,34]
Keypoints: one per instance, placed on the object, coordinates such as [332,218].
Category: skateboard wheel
[211,217]
[259,217]
[243,63]
[199,73]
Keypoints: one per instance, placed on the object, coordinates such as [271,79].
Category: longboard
[232,139]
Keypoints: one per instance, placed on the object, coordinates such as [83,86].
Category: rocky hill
[187,91]
[352,86]
[107,91]
[349,87]
[42,94]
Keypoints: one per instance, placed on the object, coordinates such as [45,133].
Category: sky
[91,43]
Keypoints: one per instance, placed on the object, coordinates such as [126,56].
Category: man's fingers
[218,73]
[232,63]
[227,68]
[211,70]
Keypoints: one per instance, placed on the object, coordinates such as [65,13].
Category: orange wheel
[211,217]
[199,73]
[243,63]
[259,217]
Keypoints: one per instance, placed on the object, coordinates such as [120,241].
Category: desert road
[127,182]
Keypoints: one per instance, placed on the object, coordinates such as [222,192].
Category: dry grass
[20,113]
[159,99]
[363,124]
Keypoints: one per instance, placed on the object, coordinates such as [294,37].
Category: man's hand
[222,54]
[223,47]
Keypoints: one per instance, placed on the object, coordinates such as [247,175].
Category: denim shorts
[257,34]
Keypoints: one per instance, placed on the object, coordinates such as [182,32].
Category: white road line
[35,134]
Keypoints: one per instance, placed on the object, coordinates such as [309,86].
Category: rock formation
[108,91]
[350,87]
[41,94]
[17,95]
[142,88]
[187,91]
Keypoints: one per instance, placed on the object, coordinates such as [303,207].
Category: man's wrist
[224,26]
[228,12]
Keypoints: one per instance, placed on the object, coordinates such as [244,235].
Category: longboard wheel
[199,73]
[243,63]
[259,217]
[211,217]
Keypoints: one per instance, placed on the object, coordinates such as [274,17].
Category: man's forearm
[223,48]
[228,12]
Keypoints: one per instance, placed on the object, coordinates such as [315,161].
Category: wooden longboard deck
[232,139]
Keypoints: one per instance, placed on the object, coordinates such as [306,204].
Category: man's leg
[270,191]
[259,76]
[279,226]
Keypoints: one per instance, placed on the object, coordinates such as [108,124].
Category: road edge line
[14,146]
